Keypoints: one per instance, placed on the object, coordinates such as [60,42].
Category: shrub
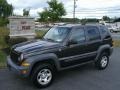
[2,59]
[13,41]
[3,21]
[38,37]
[40,34]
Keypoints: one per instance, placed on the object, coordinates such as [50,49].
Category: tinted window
[93,33]
[78,35]
[103,30]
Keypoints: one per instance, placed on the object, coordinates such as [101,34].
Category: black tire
[100,64]
[37,70]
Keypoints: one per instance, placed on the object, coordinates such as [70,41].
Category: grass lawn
[3,33]
[116,43]
[2,59]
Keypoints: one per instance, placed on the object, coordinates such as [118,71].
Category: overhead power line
[95,12]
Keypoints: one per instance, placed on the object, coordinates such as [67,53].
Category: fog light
[25,64]
[24,71]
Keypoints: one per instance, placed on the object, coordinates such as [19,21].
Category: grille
[14,56]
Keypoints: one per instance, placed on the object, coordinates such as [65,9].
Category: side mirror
[72,42]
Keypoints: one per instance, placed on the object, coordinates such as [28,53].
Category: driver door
[72,53]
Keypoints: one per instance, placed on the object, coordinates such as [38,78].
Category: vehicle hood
[34,45]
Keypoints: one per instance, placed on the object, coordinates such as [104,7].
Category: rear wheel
[42,76]
[102,62]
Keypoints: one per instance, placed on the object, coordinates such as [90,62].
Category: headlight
[21,57]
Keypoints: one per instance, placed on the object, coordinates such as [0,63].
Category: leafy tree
[89,20]
[106,18]
[26,12]
[117,20]
[44,15]
[5,9]
[83,21]
[54,11]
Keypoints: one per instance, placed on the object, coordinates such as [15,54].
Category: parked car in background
[113,28]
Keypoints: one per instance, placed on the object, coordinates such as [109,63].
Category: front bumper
[111,50]
[16,69]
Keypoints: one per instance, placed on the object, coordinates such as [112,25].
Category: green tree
[54,11]
[89,20]
[26,12]
[106,18]
[5,9]
[44,16]
[83,21]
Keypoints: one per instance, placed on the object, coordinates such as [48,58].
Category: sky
[84,8]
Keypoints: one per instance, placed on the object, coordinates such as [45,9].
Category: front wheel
[42,76]
[102,62]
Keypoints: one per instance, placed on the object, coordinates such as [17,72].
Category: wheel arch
[104,48]
[48,59]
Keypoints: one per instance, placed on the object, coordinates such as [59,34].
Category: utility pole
[74,7]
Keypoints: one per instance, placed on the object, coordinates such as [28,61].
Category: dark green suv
[62,47]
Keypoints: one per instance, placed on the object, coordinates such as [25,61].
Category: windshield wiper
[49,39]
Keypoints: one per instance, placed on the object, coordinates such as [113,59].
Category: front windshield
[57,34]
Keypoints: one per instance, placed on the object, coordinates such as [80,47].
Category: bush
[38,37]
[3,33]
[3,21]
[13,41]
[40,34]
[2,59]
[7,38]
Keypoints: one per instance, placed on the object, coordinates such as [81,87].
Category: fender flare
[43,57]
[101,49]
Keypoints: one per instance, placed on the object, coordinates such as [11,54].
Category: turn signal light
[25,64]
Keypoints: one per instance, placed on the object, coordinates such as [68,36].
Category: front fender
[43,57]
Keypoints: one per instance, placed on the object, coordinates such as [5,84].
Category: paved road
[81,78]
[116,36]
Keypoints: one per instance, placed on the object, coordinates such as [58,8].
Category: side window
[93,33]
[78,35]
[103,30]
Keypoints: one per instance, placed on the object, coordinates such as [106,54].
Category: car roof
[79,25]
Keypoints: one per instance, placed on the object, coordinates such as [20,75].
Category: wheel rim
[104,61]
[44,76]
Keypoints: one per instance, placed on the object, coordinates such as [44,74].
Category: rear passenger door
[93,39]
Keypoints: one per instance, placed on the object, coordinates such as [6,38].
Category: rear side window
[103,29]
[93,33]
[78,35]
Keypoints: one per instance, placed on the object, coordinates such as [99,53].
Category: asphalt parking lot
[81,78]
[116,36]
